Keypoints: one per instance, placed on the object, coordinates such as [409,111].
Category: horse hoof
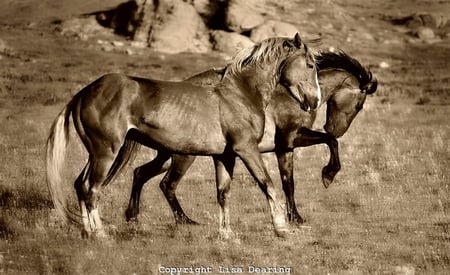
[85,235]
[326,182]
[296,219]
[186,221]
[282,231]
[327,176]
[227,236]
[101,234]
[131,215]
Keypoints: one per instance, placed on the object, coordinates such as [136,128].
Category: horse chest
[240,118]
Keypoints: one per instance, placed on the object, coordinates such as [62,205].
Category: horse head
[346,103]
[299,77]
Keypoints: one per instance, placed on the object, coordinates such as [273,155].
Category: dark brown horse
[116,112]
[345,83]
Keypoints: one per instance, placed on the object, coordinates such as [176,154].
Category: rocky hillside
[200,26]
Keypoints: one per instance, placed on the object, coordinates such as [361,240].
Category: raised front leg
[180,164]
[286,167]
[141,175]
[307,137]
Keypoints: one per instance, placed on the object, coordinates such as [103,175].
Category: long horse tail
[55,156]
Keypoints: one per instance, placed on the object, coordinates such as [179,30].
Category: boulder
[179,28]
[147,13]
[425,34]
[430,20]
[124,19]
[241,17]
[83,28]
[272,28]
[230,42]
[212,12]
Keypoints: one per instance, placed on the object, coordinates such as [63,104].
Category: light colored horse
[116,112]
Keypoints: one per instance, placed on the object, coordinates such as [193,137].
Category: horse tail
[55,155]
[126,153]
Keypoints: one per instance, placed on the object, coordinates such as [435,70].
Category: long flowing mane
[265,51]
[341,60]
[262,52]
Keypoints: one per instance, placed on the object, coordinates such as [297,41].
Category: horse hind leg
[168,185]
[104,166]
[142,174]
[82,188]
[92,222]
[286,167]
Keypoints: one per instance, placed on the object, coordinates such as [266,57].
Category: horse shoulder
[288,115]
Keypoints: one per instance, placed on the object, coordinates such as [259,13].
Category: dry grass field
[387,212]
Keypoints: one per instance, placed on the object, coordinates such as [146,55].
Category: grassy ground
[388,210]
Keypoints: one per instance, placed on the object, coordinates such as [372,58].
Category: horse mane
[263,52]
[341,60]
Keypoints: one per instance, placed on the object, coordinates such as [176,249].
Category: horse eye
[310,66]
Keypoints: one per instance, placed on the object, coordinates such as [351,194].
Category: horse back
[179,115]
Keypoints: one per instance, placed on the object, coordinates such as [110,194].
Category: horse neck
[258,81]
[330,81]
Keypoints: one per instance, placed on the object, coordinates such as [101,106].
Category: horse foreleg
[168,185]
[143,174]
[286,167]
[307,137]
[250,155]
[224,172]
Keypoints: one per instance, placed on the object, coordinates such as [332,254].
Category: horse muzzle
[307,102]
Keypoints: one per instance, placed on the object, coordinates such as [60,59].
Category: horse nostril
[305,106]
[312,102]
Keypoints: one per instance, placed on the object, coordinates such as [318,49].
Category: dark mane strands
[328,60]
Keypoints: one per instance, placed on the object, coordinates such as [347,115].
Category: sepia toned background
[388,210]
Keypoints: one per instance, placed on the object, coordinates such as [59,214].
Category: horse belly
[195,140]
[185,130]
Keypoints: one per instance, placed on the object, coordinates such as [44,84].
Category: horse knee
[223,193]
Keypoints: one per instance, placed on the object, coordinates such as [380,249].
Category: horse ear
[297,41]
